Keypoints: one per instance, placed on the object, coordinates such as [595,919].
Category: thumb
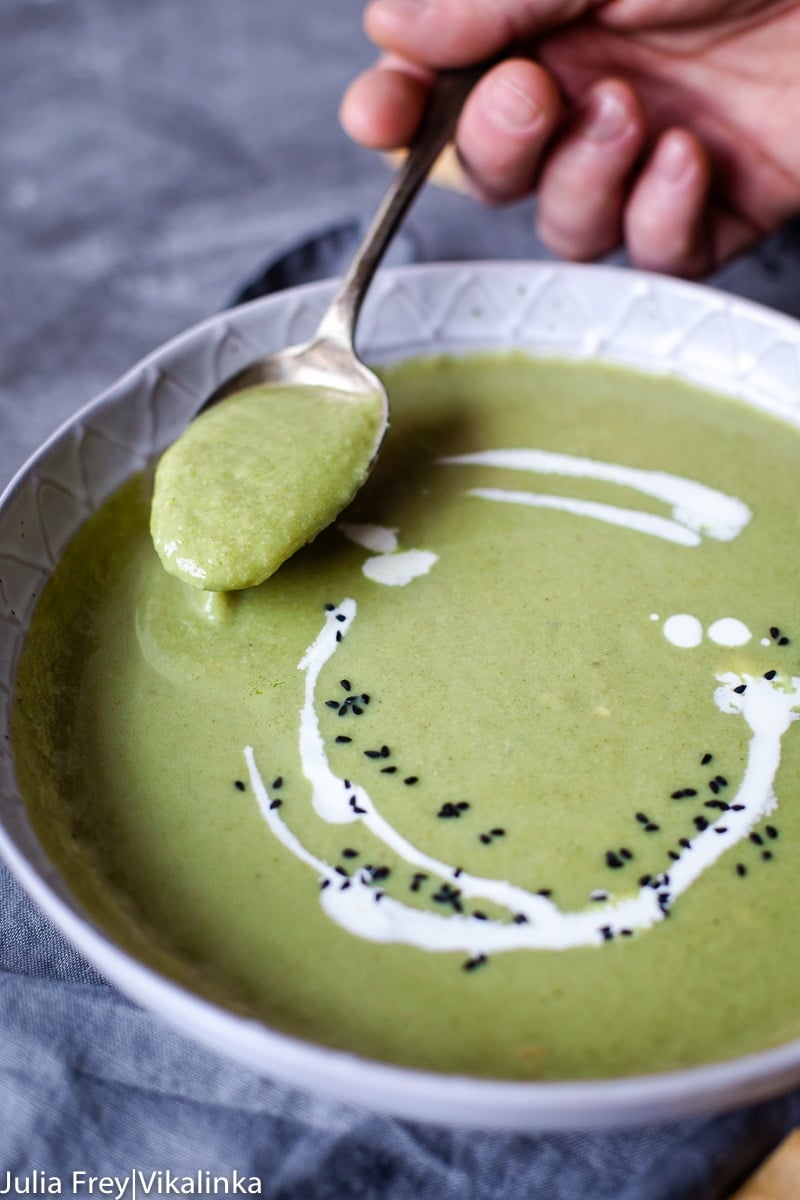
[453,33]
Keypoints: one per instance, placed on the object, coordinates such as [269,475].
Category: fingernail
[511,108]
[607,118]
[399,9]
[673,159]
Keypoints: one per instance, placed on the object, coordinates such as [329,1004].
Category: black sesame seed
[756,839]
[770,831]
[498,832]
[690,791]
[448,810]
[462,806]
[737,808]
[766,855]
[784,641]
[677,795]
[741,869]
[343,710]
[341,871]
[770,674]
[712,783]
[626,932]
[706,759]
[480,916]
[323,884]
[379,873]
[278,783]
[330,607]
[484,837]
[339,638]
[276,803]
[642,819]
[341,617]
[687,845]
[612,860]
[342,740]
[520,919]
[720,829]
[357,710]
[607,933]
[388,770]
[644,880]
[774,631]
[625,853]
[545,892]
[674,855]
[349,852]
[721,780]
[385,752]
[372,754]
[345,886]
[239,784]
[410,780]
[356,809]
[741,689]
[364,698]
[700,823]
[379,895]
[472,963]
[331,703]
[457,872]
[600,894]
[651,827]
[345,683]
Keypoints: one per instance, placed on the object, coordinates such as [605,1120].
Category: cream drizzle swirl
[696,508]
[768,707]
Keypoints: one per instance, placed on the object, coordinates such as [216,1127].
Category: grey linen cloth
[157,158]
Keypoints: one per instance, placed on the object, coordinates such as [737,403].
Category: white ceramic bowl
[579,312]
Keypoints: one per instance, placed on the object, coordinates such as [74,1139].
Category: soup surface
[498,776]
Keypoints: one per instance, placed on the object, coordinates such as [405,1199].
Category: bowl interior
[575,312]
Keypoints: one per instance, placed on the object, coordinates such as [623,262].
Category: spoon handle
[448,94]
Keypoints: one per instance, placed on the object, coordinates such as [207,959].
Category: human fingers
[666,218]
[504,129]
[582,189]
[382,107]
[452,33]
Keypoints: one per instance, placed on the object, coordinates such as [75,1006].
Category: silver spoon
[329,359]
[227,536]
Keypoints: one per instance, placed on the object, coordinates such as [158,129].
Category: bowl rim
[448,1099]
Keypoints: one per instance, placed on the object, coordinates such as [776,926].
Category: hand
[674,128]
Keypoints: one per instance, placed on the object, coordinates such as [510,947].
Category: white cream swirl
[696,508]
[768,706]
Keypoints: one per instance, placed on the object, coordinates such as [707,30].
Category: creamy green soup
[256,477]
[498,776]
